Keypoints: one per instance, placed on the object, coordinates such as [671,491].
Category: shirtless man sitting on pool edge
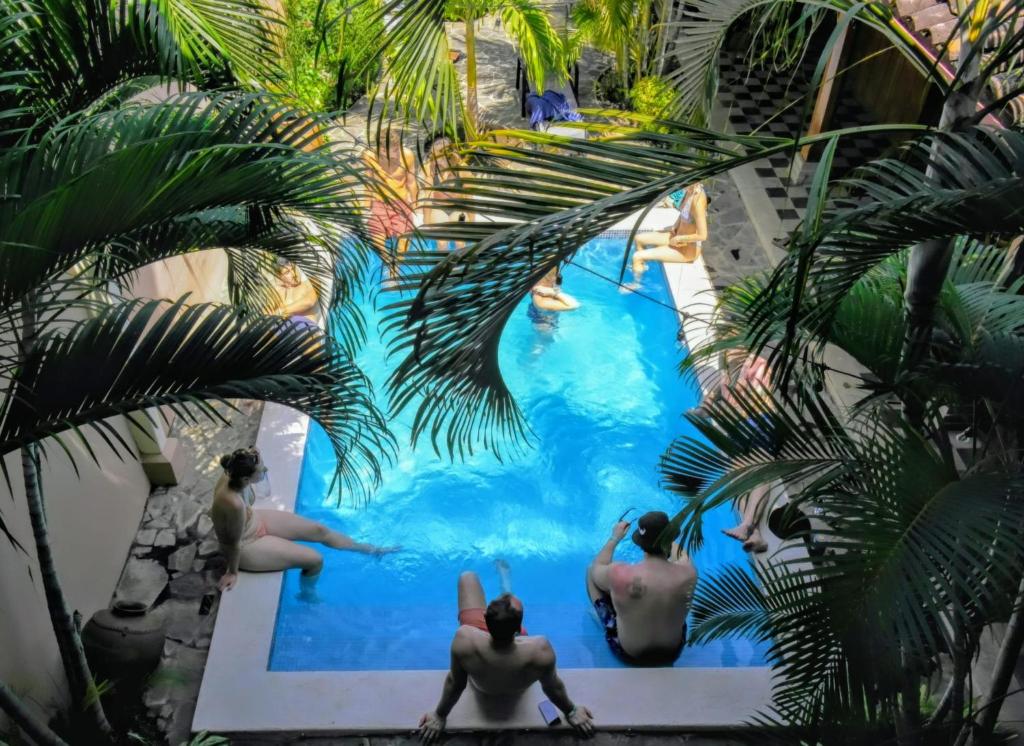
[643,607]
[492,651]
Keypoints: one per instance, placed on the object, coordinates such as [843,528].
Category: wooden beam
[821,103]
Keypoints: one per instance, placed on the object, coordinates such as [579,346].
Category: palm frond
[943,186]
[540,202]
[69,55]
[706,23]
[141,354]
[419,78]
[910,551]
[540,46]
[191,37]
[140,184]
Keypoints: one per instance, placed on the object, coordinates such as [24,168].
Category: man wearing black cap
[643,607]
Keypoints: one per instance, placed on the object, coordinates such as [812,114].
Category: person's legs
[504,575]
[748,530]
[471,592]
[664,254]
[272,554]
[296,528]
[647,242]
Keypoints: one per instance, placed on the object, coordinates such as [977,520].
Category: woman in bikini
[680,244]
[265,540]
[391,215]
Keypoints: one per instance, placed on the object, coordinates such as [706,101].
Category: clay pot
[124,641]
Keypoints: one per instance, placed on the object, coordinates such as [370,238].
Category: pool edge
[239,694]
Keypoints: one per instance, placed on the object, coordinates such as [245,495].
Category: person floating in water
[265,540]
[752,381]
[643,607]
[492,651]
[680,244]
[547,294]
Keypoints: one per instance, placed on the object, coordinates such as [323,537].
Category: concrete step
[930,16]
[909,7]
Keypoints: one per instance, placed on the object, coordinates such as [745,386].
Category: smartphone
[550,713]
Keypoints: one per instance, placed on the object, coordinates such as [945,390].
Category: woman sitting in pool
[680,244]
[265,540]
[547,294]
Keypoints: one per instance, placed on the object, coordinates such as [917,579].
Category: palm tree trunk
[929,261]
[29,723]
[69,642]
[1002,671]
[471,103]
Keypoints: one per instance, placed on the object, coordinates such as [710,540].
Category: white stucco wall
[92,519]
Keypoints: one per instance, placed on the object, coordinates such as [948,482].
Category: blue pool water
[602,393]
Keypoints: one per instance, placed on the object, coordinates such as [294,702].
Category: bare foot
[755,543]
[629,287]
[505,573]
[742,532]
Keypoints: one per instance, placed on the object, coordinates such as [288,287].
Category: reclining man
[643,607]
[492,651]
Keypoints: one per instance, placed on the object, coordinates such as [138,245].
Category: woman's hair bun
[225,461]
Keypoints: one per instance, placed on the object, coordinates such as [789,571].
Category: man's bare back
[508,670]
[491,650]
[645,620]
[652,599]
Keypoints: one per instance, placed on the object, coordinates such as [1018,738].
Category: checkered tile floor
[758,101]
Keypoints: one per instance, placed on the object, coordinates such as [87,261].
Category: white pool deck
[239,695]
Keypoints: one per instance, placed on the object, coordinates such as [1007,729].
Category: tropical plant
[903,265]
[331,68]
[98,186]
[634,32]
[420,75]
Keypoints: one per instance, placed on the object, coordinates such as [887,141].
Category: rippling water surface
[601,391]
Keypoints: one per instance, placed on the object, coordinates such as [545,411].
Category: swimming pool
[600,389]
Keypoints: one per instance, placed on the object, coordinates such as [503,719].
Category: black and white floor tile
[760,101]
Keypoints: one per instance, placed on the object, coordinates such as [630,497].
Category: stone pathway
[175,563]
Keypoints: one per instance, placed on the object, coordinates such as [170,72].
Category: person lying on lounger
[492,651]
[680,244]
[643,607]
[265,540]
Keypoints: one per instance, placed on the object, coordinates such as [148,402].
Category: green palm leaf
[71,54]
[541,203]
[420,78]
[706,23]
[144,183]
[136,355]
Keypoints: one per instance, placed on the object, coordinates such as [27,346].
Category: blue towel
[539,110]
[564,112]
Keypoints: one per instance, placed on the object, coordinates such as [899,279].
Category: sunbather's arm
[580,718]
[432,723]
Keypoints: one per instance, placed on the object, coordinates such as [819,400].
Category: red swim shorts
[475,618]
